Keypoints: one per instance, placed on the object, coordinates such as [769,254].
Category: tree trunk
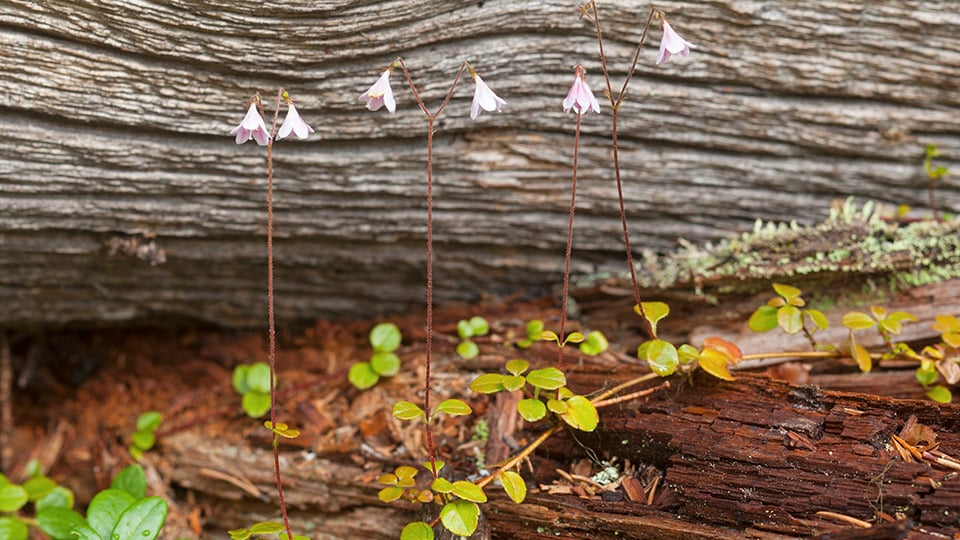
[125,198]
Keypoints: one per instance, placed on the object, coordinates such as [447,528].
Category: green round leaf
[549,335]
[660,356]
[557,406]
[12,528]
[441,485]
[255,404]
[786,291]
[362,375]
[817,318]
[926,374]
[417,530]
[390,494]
[763,319]
[84,532]
[581,414]
[468,349]
[385,364]
[144,440]
[531,409]
[856,320]
[549,378]
[687,354]
[479,325]
[654,312]
[488,383]
[469,491]
[595,344]
[385,337]
[58,522]
[404,410]
[60,497]
[240,379]
[460,517]
[517,367]
[514,485]
[258,378]
[534,329]
[12,497]
[454,407]
[38,486]
[105,510]
[464,330]
[574,337]
[514,382]
[267,527]
[790,319]
[132,480]
[940,394]
[149,421]
[143,520]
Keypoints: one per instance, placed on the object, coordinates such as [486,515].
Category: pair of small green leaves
[282,430]
[664,359]
[145,437]
[263,528]
[784,311]
[466,329]
[577,411]
[384,338]
[404,410]
[886,323]
[572,337]
[933,173]
[252,381]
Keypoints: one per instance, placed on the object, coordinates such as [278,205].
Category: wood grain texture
[116,117]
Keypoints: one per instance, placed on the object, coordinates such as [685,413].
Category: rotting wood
[117,119]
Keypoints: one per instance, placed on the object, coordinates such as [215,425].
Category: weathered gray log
[116,119]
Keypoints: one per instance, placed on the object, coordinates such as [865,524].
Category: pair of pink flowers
[380,94]
[580,98]
[253,126]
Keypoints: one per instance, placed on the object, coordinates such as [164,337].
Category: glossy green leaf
[688,354]
[240,379]
[549,335]
[468,349]
[460,517]
[790,319]
[267,527]
[763,319]
[856,320]
[926,374]
[144,440]
[84,531]
[514,382]
[132,480]
[581,414]
[12,497]
[940,394]
[385,364]
[143,520]
[362,375]
[817,318]
[258,378]
[105,510]
[660,356]
[404,410]
[58,523]
[549,378]
[441,485]
[469,491]
[655,312]
[149,421]
[531,409]
[390,494]
[239,534]
[454,407]
[12,528]
[60,497]
[557,406]
[517,367]
[574,337]
[786,291]
[385,337]
[479,325]
[417,530]
[513,485]
[596,343]
[464,330]
[534,329]
[38,486]
[488,383]
[255,404]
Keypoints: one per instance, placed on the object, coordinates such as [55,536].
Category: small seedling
[596,343]
[887,324]
[784,310]
[934,173]
[384,338]
[534,331]
[145,436]
[475,327]
[665,359]
[252,381]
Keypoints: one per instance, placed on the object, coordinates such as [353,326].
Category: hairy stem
[566,261]
[271,320]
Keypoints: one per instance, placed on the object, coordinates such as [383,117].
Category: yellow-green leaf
[715,363]
[513,485]
[517,367]
[940,394]
[557,406]
[454,407]
[574,337]
[441,485]
[660,356]
[581,414]
[513,382]
[549,335]
[488,383]
[856,320]
[469,491]
[786,291]
[549,378]
[404,410]
[531,409]
[763,319]
[654,311]
[860,354]
[460,517]
[790,319]
[817,318]
[417,530]
[390,494]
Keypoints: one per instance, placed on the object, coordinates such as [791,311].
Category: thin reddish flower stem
[271,320]
[566,260]
[615,103]
[431,117]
